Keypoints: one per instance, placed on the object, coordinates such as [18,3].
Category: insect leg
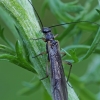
[55,35]
[39,39]
[70,64]
[63,54]
[40,54]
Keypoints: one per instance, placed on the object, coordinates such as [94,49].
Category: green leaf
[5,49]
[19,50]
[5,39]
[22,57]
[79,47]
[9,57]
[71,7]
[98,11]
[73,56]
[44,7]
[15,60]
[88,27]
[1,30]
[93,45]
[57,9]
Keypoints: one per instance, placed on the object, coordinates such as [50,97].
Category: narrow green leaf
[22,57]
[19,50]
[98,11]
[5,39]
[72,8]
[88,27]
[9,57]
[1,30]
[57,10]
[15,60]
[5,49]
[93,46]
[73,2]
[84,47]
[44,7]
[73,56]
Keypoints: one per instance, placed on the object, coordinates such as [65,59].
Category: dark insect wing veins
[57,73]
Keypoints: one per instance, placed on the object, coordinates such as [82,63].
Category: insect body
[58,82]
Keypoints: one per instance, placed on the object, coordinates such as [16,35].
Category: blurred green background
[12,77]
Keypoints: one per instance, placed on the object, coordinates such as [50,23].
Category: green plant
[22,16]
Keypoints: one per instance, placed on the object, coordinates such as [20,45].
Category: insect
[58,81]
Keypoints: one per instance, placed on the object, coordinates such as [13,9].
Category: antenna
[36,14]
[59,24]
[74,23]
